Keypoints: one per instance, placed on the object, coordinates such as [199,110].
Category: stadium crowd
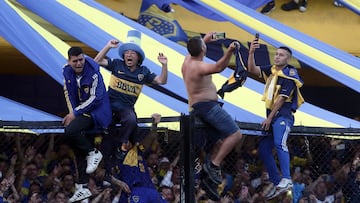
[43,169]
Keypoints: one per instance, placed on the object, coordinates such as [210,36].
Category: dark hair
[75,51]
[140,59]
[32,163]
[194,46]
[66,173]
[287,49]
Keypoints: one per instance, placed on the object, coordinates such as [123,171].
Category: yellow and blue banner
[337,64]
[16,30]
[35,42]
[102,24]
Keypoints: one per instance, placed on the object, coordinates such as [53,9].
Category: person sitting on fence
[282,98]
[203,101]
[89,108]
[128,75]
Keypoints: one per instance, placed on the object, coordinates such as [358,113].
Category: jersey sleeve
[287,86]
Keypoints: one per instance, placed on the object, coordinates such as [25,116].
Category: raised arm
[223,62]
[252,68]
[100,57]
[162,78]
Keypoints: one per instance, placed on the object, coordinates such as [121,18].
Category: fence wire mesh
[323,167]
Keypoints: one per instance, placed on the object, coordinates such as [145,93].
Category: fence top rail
[303,129]
[59,124]
[296,130]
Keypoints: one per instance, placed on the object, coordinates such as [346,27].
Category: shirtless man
[203,101]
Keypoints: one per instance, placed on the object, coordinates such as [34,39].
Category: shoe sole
[270,193]
[86,197]
[279,192]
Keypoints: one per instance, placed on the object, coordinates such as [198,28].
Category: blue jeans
[219,123]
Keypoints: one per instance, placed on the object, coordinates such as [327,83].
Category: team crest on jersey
[292,72]
[135,198]
[140,77]
[86,90]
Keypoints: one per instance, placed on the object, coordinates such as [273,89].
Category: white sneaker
[93,161]
[285,183]
[284,186]
[80,193]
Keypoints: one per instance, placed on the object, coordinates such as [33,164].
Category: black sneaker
[268,8]
[213,173]
[210,189]
[303,5]
[292,5]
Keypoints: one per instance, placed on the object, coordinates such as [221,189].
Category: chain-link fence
[325,167]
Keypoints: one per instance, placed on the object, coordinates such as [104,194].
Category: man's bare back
[197,73]
[198,82]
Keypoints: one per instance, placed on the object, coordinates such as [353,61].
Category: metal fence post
[188,188]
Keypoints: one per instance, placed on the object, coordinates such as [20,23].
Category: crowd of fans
[43,169]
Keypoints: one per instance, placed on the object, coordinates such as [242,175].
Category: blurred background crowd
[42,169]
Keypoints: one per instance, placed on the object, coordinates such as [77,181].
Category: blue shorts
[218,123]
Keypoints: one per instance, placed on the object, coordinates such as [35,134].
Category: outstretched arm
[100,57]
[221,64]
